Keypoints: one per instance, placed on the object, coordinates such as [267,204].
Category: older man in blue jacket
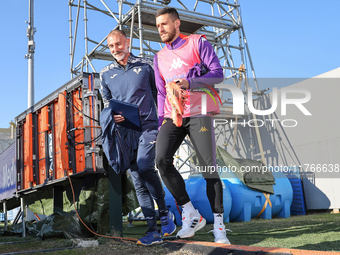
[131,79]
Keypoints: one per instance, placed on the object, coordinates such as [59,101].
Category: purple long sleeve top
[208,58]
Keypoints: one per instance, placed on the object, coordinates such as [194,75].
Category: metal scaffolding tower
[222,27]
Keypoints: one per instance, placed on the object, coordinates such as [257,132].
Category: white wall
[313,144]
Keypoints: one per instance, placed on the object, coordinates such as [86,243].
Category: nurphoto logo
[238,105]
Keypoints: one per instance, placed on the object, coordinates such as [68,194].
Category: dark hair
[116,31]
[171,11]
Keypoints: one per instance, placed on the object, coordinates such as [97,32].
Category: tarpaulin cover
[252,175]
[65,225]
[259,179]
[92,203]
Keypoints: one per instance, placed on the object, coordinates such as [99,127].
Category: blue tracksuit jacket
[134,84]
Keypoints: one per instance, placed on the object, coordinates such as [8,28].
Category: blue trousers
[146,180]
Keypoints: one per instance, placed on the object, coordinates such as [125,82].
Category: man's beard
[170,36]
[125,51]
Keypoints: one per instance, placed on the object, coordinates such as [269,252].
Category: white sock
[218,219]
[188,207]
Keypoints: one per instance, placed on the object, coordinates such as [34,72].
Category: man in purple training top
[190,61]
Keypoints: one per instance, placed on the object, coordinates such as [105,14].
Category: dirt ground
[124,248]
